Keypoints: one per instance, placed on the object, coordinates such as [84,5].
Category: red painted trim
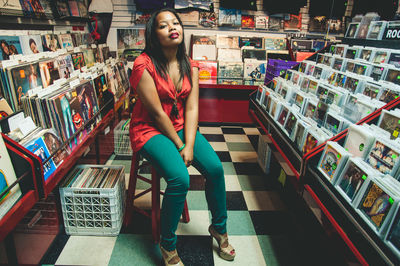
[228,87]
[337,227]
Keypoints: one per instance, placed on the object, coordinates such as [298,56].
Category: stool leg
[185,213]
[131,190]
[155,206]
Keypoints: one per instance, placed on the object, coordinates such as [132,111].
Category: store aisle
[259,226]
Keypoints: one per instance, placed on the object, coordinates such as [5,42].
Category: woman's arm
[191,117]
[147,92]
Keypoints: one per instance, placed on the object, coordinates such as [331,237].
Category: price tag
[94,45]
[74,83]
[27,126]
[395,133]
[77,49]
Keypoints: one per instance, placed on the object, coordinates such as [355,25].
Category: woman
[165,118]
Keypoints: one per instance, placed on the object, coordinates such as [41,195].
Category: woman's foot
[171,257]
[226,251]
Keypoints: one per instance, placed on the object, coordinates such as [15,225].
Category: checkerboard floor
[260,227]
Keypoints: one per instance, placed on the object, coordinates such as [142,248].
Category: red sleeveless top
[142,126]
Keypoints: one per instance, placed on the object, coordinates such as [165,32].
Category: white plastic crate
[122,144]
[94,211]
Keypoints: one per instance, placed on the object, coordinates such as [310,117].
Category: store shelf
[24,23]
[228,87]
[391,44]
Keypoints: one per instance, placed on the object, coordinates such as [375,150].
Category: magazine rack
[27,168]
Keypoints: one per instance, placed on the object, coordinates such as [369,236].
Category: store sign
[392,33]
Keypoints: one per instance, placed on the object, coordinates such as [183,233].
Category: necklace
[174,110]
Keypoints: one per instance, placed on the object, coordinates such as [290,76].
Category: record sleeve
[392,237]
[393,75]
[377,72]
[394,59]
[332,160]
[371,90]
[88,57]
[78,60]
[50,42]
[275,24]
[290,124]
[230,70]
[73,8]
[204,39]
[320,112]
[274,43]
[376,30]
[10,45]
[359,141]
[376,204]
[301,45]
[380,57]
[254,70]
[130,39]
[310,142]
[352,178]
[256,42]
[31,44]
[384,156]
[258,54]
[284,112]
[261,22]
[104,96]
[230,17]
[204,52]
[65,66]
[208,72]
[88,102]
[49,72]
[299,134]
[294,22]
[365,54]
[54,144]
[65,40]
[231,42]
[390,121]
[352,30]
[233,55]
[248,21]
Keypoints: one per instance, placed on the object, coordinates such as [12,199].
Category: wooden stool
[155,197]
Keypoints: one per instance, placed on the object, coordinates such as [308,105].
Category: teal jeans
[162,153]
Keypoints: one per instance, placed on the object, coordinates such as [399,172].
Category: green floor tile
[239,146]
[239,223]
[252,182]
[135,250]
[229,169]
[196,200]
[277,250]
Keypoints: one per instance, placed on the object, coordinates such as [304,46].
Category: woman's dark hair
[154,50]
[5,56]
[31,41]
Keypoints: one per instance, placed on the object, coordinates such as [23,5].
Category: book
[10,45]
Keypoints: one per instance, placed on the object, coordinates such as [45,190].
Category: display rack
[365,245]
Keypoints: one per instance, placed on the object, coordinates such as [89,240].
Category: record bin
[94,211]
[122,143]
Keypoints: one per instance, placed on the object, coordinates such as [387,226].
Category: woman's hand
[187,155]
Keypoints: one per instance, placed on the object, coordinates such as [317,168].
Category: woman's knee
[215,170]
[178,182]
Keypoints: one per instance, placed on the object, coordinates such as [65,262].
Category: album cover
[390,122]
[83,10]
[31,44]
[290,124]
[351,84]
[283,115]
[65,40]
[340,80]
[332,160]
[304,84]
[387,95]
[231,42]
[257,54]
[375,204]
[312,86]
[208,19]
[275,24]
[350,64]
[88,57]
[320,58]
[301,45]
[377,72]
[376,30]
[65,66]
[88,102]
[352,178]
[380,57]
[309,109]
[230,70]
[352,30]
[78,60]
[394,59]
[230,17]
[310,142]
[340,49]
[274,43]
[335,26]
[260,94]
[383,158]
[248,21]
[298,137]
[130,39]
[73,8]
[298,100]
[320,112]
[302,67]
[53,144]
[310,69]
[261,22]
[106,53]
[360,69]
[393,75]
[104,96]
[365,54]
[256,42]
[62,8]
[317,24]
[333,123]
[190,18]
[12,6]
[25,78]
[371,90]
[39,148]
[294,22]
[7,178]
[49,72]
[10,45]
[206,52]
[317,72]
[328,60]
[351,53]
[233,55]
[254,70]
[208,72]
[50,43]
[337,63]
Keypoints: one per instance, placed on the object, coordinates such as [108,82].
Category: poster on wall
[130,39]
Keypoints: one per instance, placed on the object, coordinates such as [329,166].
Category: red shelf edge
[337,227]
[65,167]
[228,87]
